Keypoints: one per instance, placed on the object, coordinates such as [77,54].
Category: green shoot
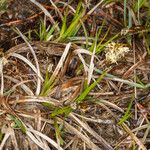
[148,43]
[64,25]
[45,33]
[29,35]
[139,81]
[18,124]
[74,26]
[83,95]
[61,111]
[48,84]
[148,51]
[58,132]
[127,114]
[100,46]
[95,40]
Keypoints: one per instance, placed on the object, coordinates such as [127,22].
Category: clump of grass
[45,33]
[73,28]
[51,81]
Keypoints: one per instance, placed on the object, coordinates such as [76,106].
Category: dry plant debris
[79,78]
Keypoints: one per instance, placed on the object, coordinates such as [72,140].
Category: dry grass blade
[109,110]
[94,8]
[14,140]
[61,62]
[140,128]
[100,121]
[102,93]
[46,13]
[138,142]
[27,62]
[32,99]
[33,133]
[69,6]
[7,135]
[146,134]
[71,141]
[9,132]
[83,62]
[83,51]
[38,142]
[22,83]
[105,102]
[79,52]
[2,76]
[91,67]
[27,90]
[92,132]
[36,62]
[95,92]
[60,14]
[88,141]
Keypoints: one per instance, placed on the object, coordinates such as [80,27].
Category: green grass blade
[1,136]
[115,78]
[100,29]
[101,47]
[129,20]
[139,4]
[45,82]
[74,25]
[94,43]
[42,31]
[125,13]
[89,88]
[3,5]
[64,26]
[73,28]
[78,8]
[61,111]
[18,124]
[58,132]
[77,13]
[127,114]
[100,43]
[49,83]
[98,33]
[47,87]
[50,32]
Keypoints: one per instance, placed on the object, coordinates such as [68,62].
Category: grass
[74,26]
[127,114]
[3,6]
[83,95]
[45,33]
[94,108]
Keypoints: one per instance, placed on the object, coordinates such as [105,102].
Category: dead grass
[94,95]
